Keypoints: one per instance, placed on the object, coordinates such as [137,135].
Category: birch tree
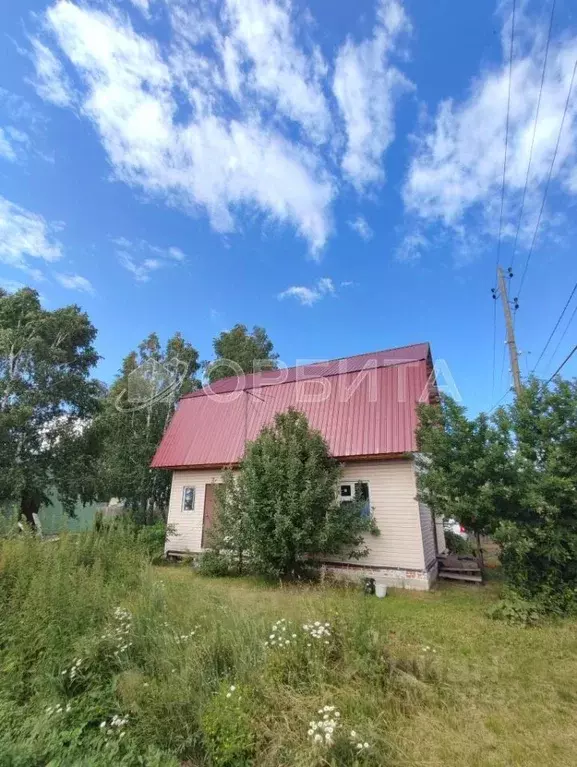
[47,403]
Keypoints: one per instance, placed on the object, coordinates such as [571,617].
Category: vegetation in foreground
[108,661]
[513,476]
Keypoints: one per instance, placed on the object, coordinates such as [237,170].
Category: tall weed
[108,661]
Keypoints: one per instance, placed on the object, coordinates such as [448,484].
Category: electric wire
[534,239]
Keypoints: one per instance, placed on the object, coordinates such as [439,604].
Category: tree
[47,403]
[463,465]
[249,353]
[513,476]
[138,408]
[282,508]
[538,530]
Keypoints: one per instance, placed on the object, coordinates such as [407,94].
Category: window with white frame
[188,498]
[358,491]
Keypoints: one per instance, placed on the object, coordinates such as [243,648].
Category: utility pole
[513,353]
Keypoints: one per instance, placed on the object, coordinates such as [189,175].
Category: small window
[188,495]
[360,492]
[346,492]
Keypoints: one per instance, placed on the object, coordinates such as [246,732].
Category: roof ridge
[205,390]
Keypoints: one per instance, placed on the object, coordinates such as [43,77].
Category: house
[365,407]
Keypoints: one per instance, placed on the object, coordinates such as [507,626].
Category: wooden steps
[453,567]
[469,577]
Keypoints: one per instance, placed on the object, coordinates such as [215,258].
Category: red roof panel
[363,406]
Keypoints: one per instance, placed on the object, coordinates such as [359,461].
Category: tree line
[511,475]
[63,430]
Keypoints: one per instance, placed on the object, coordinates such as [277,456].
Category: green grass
[485,693]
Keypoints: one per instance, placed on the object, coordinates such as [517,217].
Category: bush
[152,537]
[456,544]
[540,564]
[215,564]
[512,609]
[281,508]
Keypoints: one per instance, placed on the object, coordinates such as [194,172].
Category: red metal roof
[363,405]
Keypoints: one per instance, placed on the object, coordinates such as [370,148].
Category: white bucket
[380,590]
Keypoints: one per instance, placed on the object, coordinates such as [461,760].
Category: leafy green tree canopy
[514,476]
[47,403]
[249,353]
[282,507]
[138,408]
[463,464]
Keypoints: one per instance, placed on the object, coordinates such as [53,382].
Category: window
[346,492]
[360,492]
[188,495]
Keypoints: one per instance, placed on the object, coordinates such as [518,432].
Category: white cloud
[141,258]
[309,296]
[367,86]
[6,149]
[74,282]
[261,43]
[141,271]
[25,235]
[216,163]
[325,285]
[51,82]
[411,248]
[176,254]
[23,128]
[362,228]
[142,5]
[456,169]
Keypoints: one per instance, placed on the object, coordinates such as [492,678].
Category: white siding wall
[392,494]
[188,524]
[428,534]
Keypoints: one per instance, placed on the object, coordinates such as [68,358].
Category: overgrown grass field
[106,660]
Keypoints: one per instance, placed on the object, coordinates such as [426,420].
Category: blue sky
[331,171]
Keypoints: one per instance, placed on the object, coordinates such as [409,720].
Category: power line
[556,326]
[506,133]
[548,181]
[496,405]
[563,334]
[562,365]
[534,133]
[498,259]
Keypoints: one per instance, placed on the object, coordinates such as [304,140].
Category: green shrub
[152,537]
[456,544]
[281,508]
[215,564]
[512,609]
